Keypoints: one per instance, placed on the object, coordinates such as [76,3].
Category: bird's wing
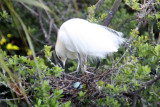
[88,38]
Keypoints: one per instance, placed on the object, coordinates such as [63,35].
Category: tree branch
[112,12]
[158,41]
[98,4]
[42,26]
[135,97]
[135,94]
[52,26]
[33,12]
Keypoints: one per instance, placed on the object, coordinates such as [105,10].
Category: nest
[72,84]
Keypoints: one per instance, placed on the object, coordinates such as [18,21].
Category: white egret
[78,38]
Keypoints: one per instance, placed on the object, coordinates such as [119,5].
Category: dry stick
[158,41]
[33,12]
[112,12]
[121,25]
[76,7]
[50,30]
[106,23]
[150,30]
[54,57]
[137,28]
[128,42]
[47,37]
[55,28]
[141,101]
[98,4]
[48,40]
[41,24]
[57,10]
[36,39]
[51,27]
[135,98]
[147,84]
[136,93]
[13,99]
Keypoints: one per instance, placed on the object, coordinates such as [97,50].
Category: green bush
[128,77]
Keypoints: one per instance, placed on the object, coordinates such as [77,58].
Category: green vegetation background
[24,26]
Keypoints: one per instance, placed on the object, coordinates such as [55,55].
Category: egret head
[60,52]
[62,60]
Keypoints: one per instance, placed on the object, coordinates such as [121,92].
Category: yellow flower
[12,47]
[3,40]
[9,35]
[9,46]
[29,52]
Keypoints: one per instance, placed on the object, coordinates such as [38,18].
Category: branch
[36,39]
[13,99]
[33,12]
[112,12]
[135,98]
[148,84]
[42,27]
[52,25]
[136,93]
[130,39]
[127,20]
[158,41]
[128,43]
[98,4]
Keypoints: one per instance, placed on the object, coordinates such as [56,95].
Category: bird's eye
[59,57]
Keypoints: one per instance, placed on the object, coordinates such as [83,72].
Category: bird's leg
[85,62]
[79,64]
[98,63]
[82,63]
[84,69]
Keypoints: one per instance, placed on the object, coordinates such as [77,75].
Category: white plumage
[88,39]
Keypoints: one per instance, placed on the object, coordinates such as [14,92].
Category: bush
[128,77]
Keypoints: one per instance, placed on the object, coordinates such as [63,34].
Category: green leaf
[67,104]
[39,102]
[100,83]
[157,15]
[48,51]
[157,49]
[34,3]
[81,93]
[56,104]
[109,86]
[57,70]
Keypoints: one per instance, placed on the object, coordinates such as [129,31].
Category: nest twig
[87,82]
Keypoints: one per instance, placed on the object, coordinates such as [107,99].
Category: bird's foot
[73,72]
[87,72]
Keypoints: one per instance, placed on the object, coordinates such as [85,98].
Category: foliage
[133,72]
[132,68]
[25,73]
